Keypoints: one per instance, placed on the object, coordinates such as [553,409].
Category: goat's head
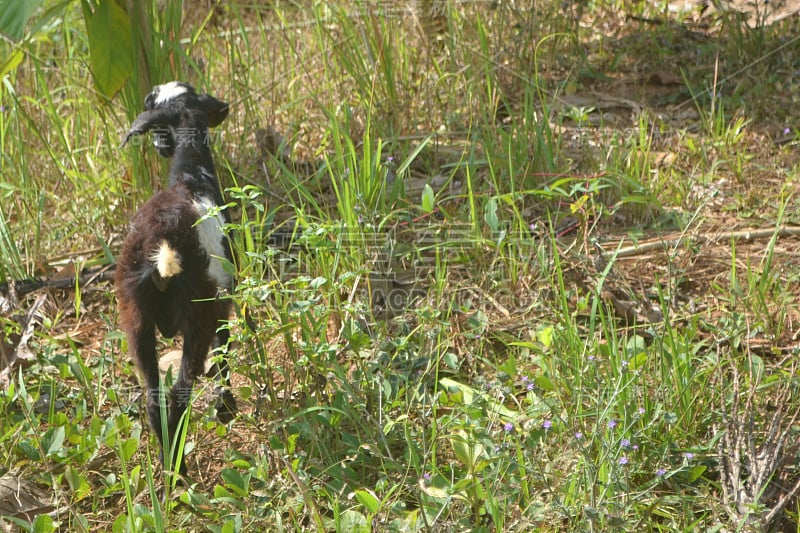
[164,108]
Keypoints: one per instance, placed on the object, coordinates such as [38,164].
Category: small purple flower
[508,427]
[642,410]
[590,358]
[547,424]
[635,447]
[612,424]
[578,435]
[625,443]
[426,476]
[623,460]
[660,472]
[532,226]
[2,109]
[787,130]
[689,455]
[525,379]
[390,159]
[530,386]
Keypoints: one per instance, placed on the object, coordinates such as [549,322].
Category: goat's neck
[193,167]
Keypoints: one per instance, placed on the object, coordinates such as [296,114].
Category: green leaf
[43,524]
[53,440]
[11,62]
[695,472]
[434,491]
[490,215]
[353,522]
[77,483]
[14,14]
[637,361]
[110,47]
[236,482]
[128,448]
[544,383]
[467,449]
[635,345]
[120,524]
[545,336]
[366,498]
[428,198]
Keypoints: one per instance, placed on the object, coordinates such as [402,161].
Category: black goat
[170,271]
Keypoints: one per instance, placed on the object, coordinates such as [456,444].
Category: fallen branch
[739,236]
[26,286]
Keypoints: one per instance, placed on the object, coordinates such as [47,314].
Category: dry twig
[756,452]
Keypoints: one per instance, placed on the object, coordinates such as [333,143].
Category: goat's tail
[167,262]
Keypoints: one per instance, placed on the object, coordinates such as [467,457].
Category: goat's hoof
[226,406]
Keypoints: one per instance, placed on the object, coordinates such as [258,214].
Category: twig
[87,275]
[739,236]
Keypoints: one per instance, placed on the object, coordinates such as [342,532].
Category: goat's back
[168,221]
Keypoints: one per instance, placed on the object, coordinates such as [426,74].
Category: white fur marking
[167,261]
[168,91]
[209,231]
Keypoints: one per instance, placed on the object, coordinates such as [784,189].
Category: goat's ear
[145,122]
[215,110]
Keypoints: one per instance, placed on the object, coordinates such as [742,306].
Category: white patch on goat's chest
[169,91]
[209,232]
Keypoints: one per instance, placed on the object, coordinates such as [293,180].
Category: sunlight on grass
[490,275]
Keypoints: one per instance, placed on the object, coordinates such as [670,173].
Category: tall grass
[423,339]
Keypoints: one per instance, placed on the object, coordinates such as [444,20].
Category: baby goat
[170,271]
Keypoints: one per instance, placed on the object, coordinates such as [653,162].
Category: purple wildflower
[578,435]
[689,455]
[612,424]
[625,443]
[623,460]
[660,472]
[508,427]
[547,424]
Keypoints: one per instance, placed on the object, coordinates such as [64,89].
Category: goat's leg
[142,347]
[179,397]
[196,342]
[226,403]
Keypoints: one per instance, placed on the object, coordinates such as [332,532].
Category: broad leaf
[110,48]
[14,14]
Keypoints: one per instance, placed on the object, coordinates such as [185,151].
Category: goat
[170,269]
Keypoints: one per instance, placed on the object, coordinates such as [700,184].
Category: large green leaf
[110,47]
[14,14]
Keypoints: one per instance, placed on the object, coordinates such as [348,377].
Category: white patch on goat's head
[168,91]
[209,232]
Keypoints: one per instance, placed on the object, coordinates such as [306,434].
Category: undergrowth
[442,329]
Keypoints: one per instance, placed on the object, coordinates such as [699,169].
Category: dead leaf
[665,78]
[21,499]
[17,352]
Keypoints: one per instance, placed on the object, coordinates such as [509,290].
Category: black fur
[189,302]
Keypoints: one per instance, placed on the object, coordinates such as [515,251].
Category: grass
[455,332]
